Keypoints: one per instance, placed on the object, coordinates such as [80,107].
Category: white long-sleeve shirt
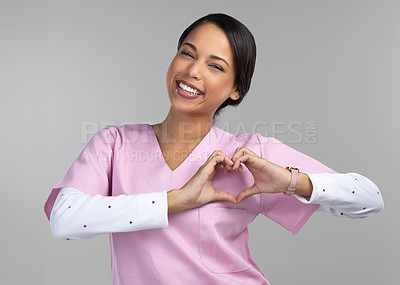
[348,195]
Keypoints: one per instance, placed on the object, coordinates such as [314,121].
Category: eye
[187,53]
[217,67]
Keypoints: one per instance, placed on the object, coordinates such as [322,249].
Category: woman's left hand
[268,177]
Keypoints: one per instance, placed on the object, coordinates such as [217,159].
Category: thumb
[224,196]
[252,190]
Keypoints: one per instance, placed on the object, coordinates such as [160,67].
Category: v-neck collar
[198,147]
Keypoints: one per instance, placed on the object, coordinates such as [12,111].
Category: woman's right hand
[199,190]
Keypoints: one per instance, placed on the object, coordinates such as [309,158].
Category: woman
[175,196]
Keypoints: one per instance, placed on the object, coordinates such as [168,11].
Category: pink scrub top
[204,245]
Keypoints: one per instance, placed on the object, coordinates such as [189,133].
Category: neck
[178,128]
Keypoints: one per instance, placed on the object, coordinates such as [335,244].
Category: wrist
[176,201]
[304,185]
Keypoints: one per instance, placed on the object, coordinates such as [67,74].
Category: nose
[194,70]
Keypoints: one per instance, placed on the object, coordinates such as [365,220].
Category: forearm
[349,195]
[76,215]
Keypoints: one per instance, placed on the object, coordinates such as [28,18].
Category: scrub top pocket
[223,239]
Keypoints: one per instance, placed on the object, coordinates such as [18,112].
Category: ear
[235,94]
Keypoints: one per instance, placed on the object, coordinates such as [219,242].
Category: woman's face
[201,76]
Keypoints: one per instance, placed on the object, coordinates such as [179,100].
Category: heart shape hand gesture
[199,190]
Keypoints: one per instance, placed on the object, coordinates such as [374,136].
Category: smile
[189,88]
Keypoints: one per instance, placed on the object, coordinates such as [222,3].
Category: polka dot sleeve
[76,215]
[348,195]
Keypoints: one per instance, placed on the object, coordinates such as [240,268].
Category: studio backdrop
[326,83]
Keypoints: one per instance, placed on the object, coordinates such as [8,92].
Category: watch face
[290,168]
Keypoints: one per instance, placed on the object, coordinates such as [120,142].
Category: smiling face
[202,74]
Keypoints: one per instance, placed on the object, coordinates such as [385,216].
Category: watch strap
[293,180]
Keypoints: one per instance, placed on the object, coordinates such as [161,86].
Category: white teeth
[189,89]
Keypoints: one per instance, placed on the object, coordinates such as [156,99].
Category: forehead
[211,40]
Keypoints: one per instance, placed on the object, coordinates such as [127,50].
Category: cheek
[170,75]
[176,64]
[221,85]
[170,67]
[174,68]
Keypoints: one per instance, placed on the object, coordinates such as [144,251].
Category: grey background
[66,63]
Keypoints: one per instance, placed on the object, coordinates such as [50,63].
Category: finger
[243,159]
[215,152]
[228,166]
[224,196]
[216,161]
[240,151]
[218,152]
[227,162]
[252,190]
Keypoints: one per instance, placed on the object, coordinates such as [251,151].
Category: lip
[182,93]
[190,85]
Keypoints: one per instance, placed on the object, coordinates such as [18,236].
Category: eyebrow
[211,56]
